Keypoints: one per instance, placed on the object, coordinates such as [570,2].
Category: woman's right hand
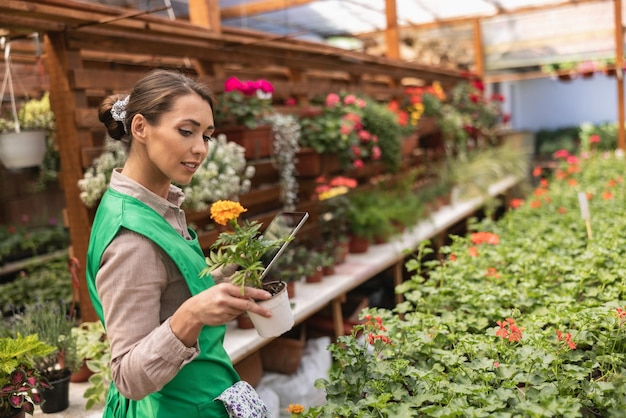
[217,305]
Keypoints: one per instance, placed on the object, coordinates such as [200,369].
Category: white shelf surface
[359,268]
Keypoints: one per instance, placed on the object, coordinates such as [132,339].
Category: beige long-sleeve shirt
[140,288]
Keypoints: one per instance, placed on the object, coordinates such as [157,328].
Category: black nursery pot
[56,399]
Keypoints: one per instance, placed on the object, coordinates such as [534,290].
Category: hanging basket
[24,149]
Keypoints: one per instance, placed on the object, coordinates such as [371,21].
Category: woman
[165,324]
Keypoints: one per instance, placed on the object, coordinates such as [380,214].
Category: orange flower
[589,195]
[516,203]
[561,210]
[606,195]
[224,211]
[492,272]
[485,238]
[535,204]
[572,182]
[295,408]
[543,183]
[537,171]
[472,251]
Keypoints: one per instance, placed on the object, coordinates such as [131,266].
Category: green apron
[191,392]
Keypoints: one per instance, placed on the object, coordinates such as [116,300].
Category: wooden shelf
[359,268]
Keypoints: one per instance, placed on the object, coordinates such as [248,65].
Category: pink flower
[265,86]
[332,100]
[233,83]
[594,139]
[358,164]
[364,135]
[360,103]
[356,150]
[349,99]
[376,153]
[561,154]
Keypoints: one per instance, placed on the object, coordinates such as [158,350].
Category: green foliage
[18,376]
[551,140]
[366,217]
[244,246]
[94,347]
[50,321]
[379,120]
[17,242]
[526,317]
[606,134]
[50,281]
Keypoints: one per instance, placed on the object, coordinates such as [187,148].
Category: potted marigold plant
[243,244]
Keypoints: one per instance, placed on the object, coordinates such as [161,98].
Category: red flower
[516,203]
[594,139]
[537,171]
[472,251]
[535,204]
[606,195]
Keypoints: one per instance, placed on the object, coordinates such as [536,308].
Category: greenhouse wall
[547,103]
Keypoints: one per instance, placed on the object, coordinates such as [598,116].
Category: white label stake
[584,211]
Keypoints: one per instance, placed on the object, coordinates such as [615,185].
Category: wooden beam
[265,6]
[391,34]
[205,13]
[619,65]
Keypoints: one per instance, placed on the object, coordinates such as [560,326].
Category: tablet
[284,225]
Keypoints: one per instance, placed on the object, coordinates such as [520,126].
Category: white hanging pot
[23,149]
[282,318]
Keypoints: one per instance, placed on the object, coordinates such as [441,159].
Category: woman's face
[175,146]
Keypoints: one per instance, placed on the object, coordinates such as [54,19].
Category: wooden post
[478,49]
[391,33]
[619,76]
[63,102]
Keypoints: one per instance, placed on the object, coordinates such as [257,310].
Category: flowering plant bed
[525,317]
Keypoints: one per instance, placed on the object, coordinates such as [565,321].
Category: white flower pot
[24,149]
[282,318]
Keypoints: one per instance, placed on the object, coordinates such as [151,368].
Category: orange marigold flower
[561,210]
[472,251]
[606,195]
[620,313]
[224,211]
[573,169]
[589,195]
[611,183]
[537,171]
[543,183]
[295,408]
[452,257]
[535,204]
[572,182]
[539,191]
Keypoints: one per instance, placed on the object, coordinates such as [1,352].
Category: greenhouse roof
[516,34]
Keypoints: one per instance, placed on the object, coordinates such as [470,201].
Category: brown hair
[152,96]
